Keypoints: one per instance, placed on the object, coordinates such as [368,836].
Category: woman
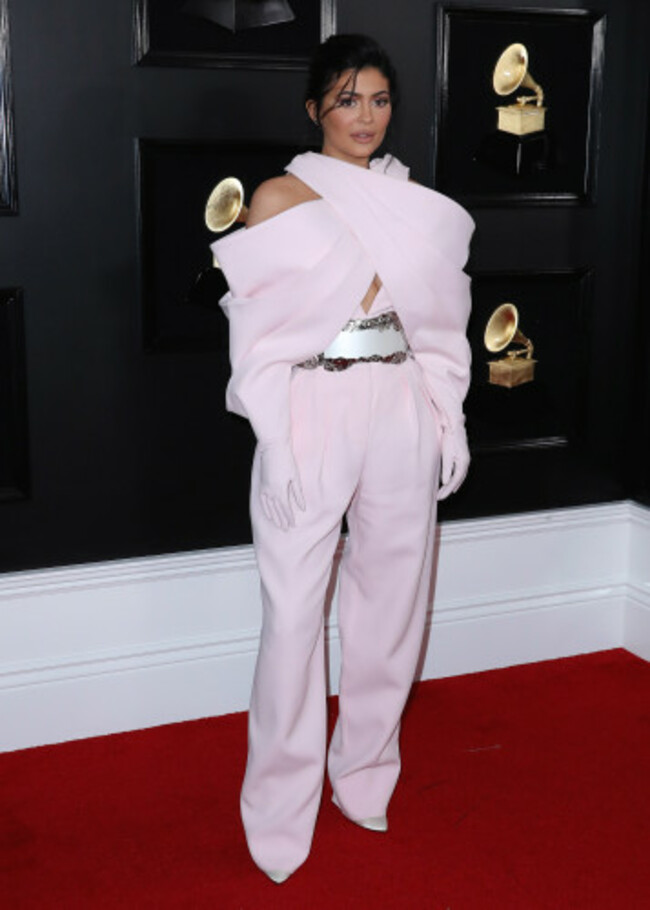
[348,308]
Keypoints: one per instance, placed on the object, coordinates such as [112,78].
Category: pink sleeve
[294,281]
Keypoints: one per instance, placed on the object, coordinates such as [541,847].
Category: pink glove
[279,484]
[454,459]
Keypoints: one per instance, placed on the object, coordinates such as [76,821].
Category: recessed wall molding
[8,186]
[14,455]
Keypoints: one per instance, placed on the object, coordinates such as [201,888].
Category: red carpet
[523,788]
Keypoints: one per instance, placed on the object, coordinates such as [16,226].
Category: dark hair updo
[346,52]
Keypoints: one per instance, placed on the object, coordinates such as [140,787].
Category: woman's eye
[382,102]
[346,102]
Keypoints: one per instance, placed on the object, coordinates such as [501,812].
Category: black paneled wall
[114,381]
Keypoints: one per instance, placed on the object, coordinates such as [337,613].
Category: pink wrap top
[298,277]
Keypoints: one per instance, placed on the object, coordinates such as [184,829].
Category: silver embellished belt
[380,339]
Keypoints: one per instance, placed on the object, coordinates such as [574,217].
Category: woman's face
[354,115]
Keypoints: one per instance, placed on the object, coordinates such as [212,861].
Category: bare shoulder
[275,196]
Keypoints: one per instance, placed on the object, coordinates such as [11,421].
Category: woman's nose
[365,112]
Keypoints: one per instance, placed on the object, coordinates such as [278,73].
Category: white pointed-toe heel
[372,823]
[276,875]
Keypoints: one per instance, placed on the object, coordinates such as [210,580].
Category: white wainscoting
[636,625]
[103,648]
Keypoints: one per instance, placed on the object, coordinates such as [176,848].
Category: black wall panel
[639,354]
[14,455]
[130,451]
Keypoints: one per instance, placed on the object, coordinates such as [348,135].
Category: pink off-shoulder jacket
[296,278]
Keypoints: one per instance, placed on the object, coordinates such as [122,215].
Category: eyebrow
[348,92]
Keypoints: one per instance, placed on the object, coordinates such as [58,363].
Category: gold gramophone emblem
[510,73]
[518,366]
[224,207]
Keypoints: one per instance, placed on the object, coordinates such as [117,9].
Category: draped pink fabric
[296,278]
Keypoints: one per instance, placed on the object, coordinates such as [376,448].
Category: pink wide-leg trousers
[366,443]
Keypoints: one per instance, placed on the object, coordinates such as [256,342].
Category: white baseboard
[636,636]
[97,649]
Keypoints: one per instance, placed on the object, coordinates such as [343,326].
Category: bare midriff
[370,294]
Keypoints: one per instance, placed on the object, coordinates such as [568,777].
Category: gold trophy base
[511,371]
[520,119]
